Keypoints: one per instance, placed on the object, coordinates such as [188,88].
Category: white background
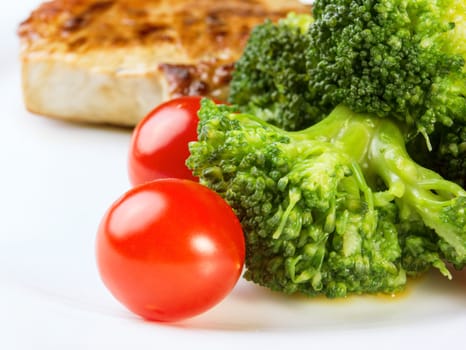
[56,181]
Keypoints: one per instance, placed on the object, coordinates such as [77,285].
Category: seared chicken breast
[112,61]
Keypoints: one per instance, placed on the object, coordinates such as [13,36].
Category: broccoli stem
[420,189]
[377,145]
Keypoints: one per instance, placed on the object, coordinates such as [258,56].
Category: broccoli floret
[393,58]
[399,59]
[335,209]
[270,78]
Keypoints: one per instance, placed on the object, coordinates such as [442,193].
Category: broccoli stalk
[324,210]
[441,204]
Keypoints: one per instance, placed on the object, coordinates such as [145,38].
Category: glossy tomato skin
[170,249]
[159,143]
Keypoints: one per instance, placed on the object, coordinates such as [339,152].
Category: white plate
[57,179]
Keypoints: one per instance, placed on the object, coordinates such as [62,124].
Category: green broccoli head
[309,218]
[393,58]
[325,210]
[270,78]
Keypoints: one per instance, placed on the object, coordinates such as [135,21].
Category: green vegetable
[447,154]
[335,209]
[270,79]
[397,59]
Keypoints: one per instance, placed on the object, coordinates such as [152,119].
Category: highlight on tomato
[170,249]
[159,143]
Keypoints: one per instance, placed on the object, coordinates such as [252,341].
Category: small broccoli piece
[270,78]
[323,209]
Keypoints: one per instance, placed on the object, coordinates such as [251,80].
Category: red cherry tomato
[170,249]
[159,145]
